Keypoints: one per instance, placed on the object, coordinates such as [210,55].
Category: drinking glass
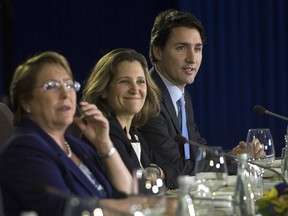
[76,206]
[210,171]
[148,190]
[210,177]
[264,137]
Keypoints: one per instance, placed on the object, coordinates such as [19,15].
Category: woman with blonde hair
[121,87]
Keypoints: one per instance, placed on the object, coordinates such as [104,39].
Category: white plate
[270,174]
[276,163]
[231,180]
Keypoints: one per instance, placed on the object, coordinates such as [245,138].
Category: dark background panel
[244,60]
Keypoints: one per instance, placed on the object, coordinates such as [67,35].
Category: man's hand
[240,148]
[256,149]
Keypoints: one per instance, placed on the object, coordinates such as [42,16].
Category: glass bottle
[284,155]
[244,197]
[185,202]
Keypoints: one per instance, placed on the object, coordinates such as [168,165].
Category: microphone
[262,110]
[182,140]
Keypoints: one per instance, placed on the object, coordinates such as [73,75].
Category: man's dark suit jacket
[33,161]
[160,132]
[124,147]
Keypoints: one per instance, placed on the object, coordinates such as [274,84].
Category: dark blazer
[32,162]
[159,133]
[124,147]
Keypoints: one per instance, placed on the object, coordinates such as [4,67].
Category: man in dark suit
[176,45]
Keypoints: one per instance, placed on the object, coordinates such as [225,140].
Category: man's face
[181,57]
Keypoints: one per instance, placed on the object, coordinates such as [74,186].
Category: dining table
[220,204]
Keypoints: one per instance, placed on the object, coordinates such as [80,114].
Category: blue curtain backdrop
[244,61]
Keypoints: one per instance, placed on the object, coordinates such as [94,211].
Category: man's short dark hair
[165,22]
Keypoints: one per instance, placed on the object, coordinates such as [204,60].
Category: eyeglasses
[56,85]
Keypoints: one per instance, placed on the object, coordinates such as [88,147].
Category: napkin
[276,165]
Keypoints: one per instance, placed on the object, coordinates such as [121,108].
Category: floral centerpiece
[275,201]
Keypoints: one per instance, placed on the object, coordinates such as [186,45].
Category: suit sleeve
[158,133]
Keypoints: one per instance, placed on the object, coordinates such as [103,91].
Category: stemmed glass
[255,137]
[262,136]
[210,171]
[148,191]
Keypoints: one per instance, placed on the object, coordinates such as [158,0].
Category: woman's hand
[96,127]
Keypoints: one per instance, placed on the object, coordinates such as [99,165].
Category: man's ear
[157,52]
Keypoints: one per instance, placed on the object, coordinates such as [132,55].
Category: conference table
[222,203]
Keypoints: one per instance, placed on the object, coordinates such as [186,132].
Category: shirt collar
[174,91]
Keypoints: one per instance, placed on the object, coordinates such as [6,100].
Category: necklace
[69,151]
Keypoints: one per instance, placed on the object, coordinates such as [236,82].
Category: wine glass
[148,190]
[264,137]
[210,171]
[255,137]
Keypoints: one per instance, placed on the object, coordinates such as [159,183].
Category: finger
[242,144]
[258,147]
[241,150]
[84,106]
[260,154]
[80,123]
[90,110]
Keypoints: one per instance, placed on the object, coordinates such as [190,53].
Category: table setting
[267,184]
[258,189]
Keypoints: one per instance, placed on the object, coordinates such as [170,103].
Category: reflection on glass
[210,171]
[149,193]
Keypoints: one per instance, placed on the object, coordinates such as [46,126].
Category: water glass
[76,206]
[149,192]
[210,171]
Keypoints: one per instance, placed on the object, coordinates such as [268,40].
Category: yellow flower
[281,204]
[270,195]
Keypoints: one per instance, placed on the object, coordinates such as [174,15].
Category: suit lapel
[119,131]
[96,171]
[73,169]
[66,164]
[166,100]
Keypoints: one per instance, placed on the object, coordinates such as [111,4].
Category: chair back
[6,122]
[1,204]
